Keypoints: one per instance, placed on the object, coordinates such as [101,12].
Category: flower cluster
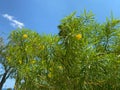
[78,36]
[25,36]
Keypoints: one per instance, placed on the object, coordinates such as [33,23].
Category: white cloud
[14,22]
[8,16]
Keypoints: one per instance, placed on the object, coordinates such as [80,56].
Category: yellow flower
[50,75]
[78,36]
[25,36]
[20,62]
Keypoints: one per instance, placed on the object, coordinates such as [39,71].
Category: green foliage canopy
[83,56]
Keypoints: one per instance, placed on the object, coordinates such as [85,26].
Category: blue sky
[44,16]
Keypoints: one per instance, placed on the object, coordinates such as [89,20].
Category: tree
[30,53]
[83,56]
[6,71]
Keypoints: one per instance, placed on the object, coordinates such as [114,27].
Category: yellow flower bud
[42,47]
[60,67]
[8,58]
[20,62]
[33,61]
